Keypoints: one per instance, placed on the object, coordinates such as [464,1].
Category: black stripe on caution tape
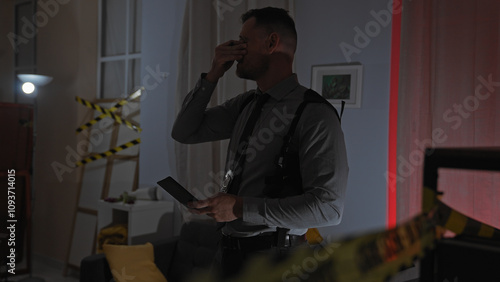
[109,153]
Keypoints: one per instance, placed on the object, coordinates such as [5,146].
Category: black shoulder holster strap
[287,180]
[310,96]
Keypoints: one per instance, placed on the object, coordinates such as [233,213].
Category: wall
[161,29]
[66,50]
[321,28]
[6,52]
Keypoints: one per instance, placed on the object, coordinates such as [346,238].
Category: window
[119,48]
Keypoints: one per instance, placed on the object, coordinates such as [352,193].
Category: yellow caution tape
[108,113]
[109,153]
[450,219]
[429,199]
[118,105]
[461,224]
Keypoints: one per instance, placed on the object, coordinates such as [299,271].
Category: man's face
[256,62]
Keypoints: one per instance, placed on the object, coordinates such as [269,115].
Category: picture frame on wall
[339,82]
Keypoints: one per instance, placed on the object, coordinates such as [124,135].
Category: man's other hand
[222,207]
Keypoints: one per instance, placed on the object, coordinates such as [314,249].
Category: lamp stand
[31,278]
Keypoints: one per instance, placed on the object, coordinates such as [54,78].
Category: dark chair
[177,258]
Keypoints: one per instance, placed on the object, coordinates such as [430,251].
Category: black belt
[261,242]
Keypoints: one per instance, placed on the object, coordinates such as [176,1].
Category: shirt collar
[283,87]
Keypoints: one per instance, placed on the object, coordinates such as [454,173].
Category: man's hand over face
[225,55]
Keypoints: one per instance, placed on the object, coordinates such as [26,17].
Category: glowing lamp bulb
[28,87]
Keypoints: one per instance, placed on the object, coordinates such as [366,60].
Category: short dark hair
[274,20]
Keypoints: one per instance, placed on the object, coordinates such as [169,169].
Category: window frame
[126,58]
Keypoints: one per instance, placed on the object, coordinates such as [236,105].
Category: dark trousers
[230,260]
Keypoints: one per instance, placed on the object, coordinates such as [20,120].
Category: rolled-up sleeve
[324,171]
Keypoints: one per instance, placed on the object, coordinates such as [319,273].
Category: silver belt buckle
[227,181]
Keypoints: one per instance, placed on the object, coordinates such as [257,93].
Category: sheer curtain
[206,24]
[449,96]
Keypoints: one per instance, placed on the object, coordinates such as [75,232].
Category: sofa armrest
[95,268]
[164,253]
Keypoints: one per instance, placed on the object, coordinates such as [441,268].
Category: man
[262,211]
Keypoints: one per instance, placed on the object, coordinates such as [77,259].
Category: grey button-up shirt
[318,140]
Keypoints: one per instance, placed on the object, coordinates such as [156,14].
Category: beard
[252,69]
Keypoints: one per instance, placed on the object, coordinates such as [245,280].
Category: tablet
[176,190]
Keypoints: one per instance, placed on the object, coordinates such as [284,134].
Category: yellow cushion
[133,263]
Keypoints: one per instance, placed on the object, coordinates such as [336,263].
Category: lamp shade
[36,79]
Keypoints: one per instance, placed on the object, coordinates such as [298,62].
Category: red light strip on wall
[393,114]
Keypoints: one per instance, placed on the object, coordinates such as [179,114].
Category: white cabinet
[147,220]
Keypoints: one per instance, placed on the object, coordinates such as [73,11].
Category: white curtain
[448,97]
[206,24]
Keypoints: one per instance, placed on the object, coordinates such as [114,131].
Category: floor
[46,270]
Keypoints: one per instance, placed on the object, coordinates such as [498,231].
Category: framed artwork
[338,83]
